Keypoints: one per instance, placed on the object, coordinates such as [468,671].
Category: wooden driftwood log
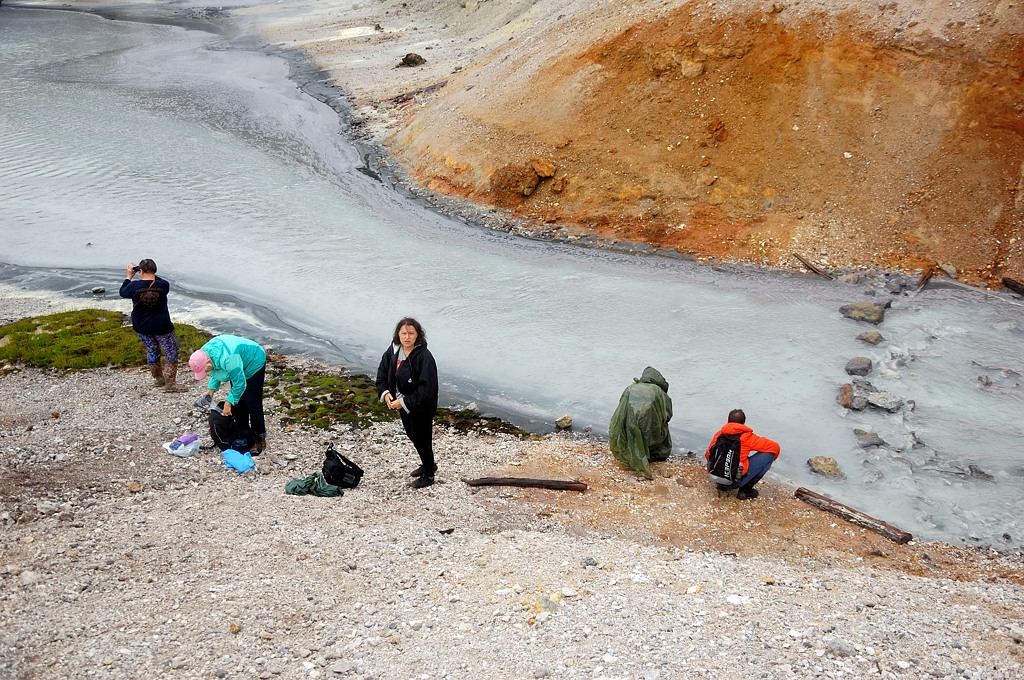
[556,484]
[810,266]
[855,516]
[1016,286]
[412,94]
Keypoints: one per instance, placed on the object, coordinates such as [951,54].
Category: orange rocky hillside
[854,133]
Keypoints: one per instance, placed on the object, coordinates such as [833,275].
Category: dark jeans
[758,466]
[421,433]
[249,409]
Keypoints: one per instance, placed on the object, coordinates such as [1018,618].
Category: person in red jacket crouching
[756,455]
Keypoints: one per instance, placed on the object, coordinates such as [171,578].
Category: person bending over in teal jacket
[243,363]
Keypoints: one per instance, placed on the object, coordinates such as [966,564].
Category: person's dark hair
[421,335]
[737,416]
[147,266]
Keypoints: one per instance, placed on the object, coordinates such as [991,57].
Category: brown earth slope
[858,134]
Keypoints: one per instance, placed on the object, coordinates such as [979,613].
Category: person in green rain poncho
[638,432]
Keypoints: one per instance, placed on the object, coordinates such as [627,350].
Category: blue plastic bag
[239,461]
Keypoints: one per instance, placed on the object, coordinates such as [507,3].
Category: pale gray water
[120,141]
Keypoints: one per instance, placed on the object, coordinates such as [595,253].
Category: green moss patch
[87,338]
[324,399]
[95,338]
[467,420]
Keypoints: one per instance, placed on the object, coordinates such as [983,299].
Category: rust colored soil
[680,507]
[752,137]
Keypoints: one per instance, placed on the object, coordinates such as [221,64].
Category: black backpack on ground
[724,461]
[227,432]
[339,470]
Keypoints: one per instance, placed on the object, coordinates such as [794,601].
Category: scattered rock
[839,647]
[99,290]
[858,366]
[28,578]
[514,180]
[871,337]
[869,312]
[845,396]
[949,270]
[885,401]
[543,167]
[826,466]
[861,394]
[563,422]
[867,439]
[412,59]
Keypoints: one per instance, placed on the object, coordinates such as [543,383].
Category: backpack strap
[138,296]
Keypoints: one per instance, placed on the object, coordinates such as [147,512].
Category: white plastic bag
[184,450]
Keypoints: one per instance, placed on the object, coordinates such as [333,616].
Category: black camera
[136,269]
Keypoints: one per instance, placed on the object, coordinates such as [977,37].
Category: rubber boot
[158,376]
[171,379]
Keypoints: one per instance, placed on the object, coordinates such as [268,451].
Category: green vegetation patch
[468,420]
[87,338]
[96,338]
[324,399]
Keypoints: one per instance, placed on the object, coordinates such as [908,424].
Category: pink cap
[197,362]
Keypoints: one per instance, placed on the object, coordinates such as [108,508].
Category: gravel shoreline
[119,560]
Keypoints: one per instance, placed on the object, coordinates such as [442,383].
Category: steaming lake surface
[120,141]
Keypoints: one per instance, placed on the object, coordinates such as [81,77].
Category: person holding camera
[151,321]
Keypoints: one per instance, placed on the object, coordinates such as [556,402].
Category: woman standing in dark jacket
[407,383]
[152,322]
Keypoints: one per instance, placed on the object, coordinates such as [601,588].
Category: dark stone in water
[858,366]
[867,439]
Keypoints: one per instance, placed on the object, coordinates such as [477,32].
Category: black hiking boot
[418,472]
[746,494]
[422,482]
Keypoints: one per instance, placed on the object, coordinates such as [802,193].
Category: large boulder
[513,181]
[860,394]
[869,312]
[826,466]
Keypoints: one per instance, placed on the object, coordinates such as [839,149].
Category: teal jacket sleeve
[236,376]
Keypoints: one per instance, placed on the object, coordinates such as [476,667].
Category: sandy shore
[119,560]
